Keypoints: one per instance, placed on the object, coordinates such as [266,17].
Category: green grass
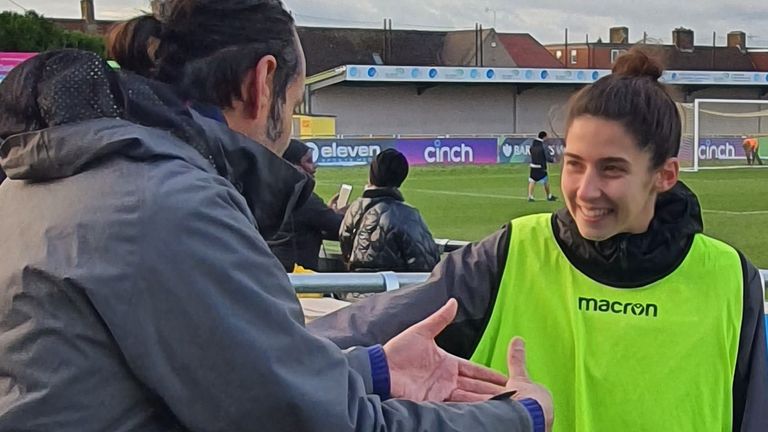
[470,202]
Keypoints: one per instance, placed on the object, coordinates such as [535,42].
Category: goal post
[714,131]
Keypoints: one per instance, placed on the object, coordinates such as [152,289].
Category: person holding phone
[380,232]
[299,240]
[538,174]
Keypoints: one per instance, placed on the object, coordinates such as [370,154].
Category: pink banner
[9,60]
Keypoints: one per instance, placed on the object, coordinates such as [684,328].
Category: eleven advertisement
[347,152]
[435,151]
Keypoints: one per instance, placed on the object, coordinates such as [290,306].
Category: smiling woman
[620,290]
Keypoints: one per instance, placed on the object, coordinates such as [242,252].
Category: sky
[546,20]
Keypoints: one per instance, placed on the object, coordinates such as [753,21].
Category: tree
[32,32]
[82,41]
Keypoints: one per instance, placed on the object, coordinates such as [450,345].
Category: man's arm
[211,325]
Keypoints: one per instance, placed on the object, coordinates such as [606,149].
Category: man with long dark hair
[141,294]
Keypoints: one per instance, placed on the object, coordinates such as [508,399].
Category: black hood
[635,260]
[63,111]
[379,193]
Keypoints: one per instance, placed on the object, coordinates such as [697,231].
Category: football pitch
[471,202]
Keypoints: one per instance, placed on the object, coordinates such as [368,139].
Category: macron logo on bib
[649,310]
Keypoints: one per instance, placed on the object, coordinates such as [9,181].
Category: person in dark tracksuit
[539,174]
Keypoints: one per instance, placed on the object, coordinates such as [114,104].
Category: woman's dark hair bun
[638,63]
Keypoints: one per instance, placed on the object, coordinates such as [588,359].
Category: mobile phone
[344,193]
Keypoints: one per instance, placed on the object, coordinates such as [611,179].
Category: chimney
[737,39]
[682,38]
[88,12]
[619,35]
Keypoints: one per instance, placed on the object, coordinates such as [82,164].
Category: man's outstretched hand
[421,371]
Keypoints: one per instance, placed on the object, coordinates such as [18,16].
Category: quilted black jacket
[380,232]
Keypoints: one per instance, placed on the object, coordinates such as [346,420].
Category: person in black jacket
[380,232]
[299,240]
[539,168]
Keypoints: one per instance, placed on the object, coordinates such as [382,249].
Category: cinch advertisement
[450,151]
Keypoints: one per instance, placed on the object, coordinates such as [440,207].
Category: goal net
[714,131]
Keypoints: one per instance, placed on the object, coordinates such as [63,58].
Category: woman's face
[608,182]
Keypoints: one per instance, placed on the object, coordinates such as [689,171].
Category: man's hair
[206,48]
[542,135]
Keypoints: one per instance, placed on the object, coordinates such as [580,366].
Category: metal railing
[363,283]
